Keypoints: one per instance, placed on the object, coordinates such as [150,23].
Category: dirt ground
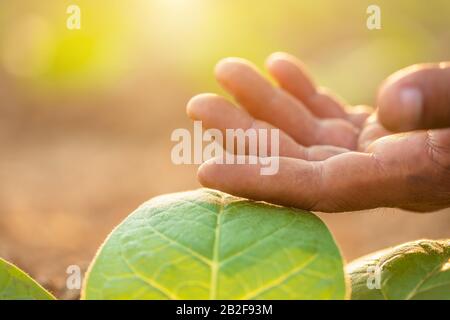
[69,175]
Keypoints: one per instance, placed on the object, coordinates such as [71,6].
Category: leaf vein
[280,279]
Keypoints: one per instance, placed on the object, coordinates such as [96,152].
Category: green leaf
[17,285]
[417,270]
[205,244]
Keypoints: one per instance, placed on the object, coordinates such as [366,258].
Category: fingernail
[411,106]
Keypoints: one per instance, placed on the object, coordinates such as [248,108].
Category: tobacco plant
[206,244]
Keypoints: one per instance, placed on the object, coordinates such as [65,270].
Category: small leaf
[17,285]
[206,244]
[417,270]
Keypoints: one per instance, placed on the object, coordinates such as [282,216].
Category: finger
[417,97]
[216,112]
[292,76]
[275,106]
[359,114]
[372,131]
[399,173]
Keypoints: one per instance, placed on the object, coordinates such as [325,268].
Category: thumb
[417,97]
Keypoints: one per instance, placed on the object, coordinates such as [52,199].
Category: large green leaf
[17,285]
[206,244]
[415,270]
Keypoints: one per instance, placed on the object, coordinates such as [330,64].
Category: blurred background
[86,115]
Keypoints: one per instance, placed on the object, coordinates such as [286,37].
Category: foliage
[205,244]
[415,270]
[17,285]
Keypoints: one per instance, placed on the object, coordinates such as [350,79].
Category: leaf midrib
[215,257]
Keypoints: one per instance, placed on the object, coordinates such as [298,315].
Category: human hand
[331,159]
